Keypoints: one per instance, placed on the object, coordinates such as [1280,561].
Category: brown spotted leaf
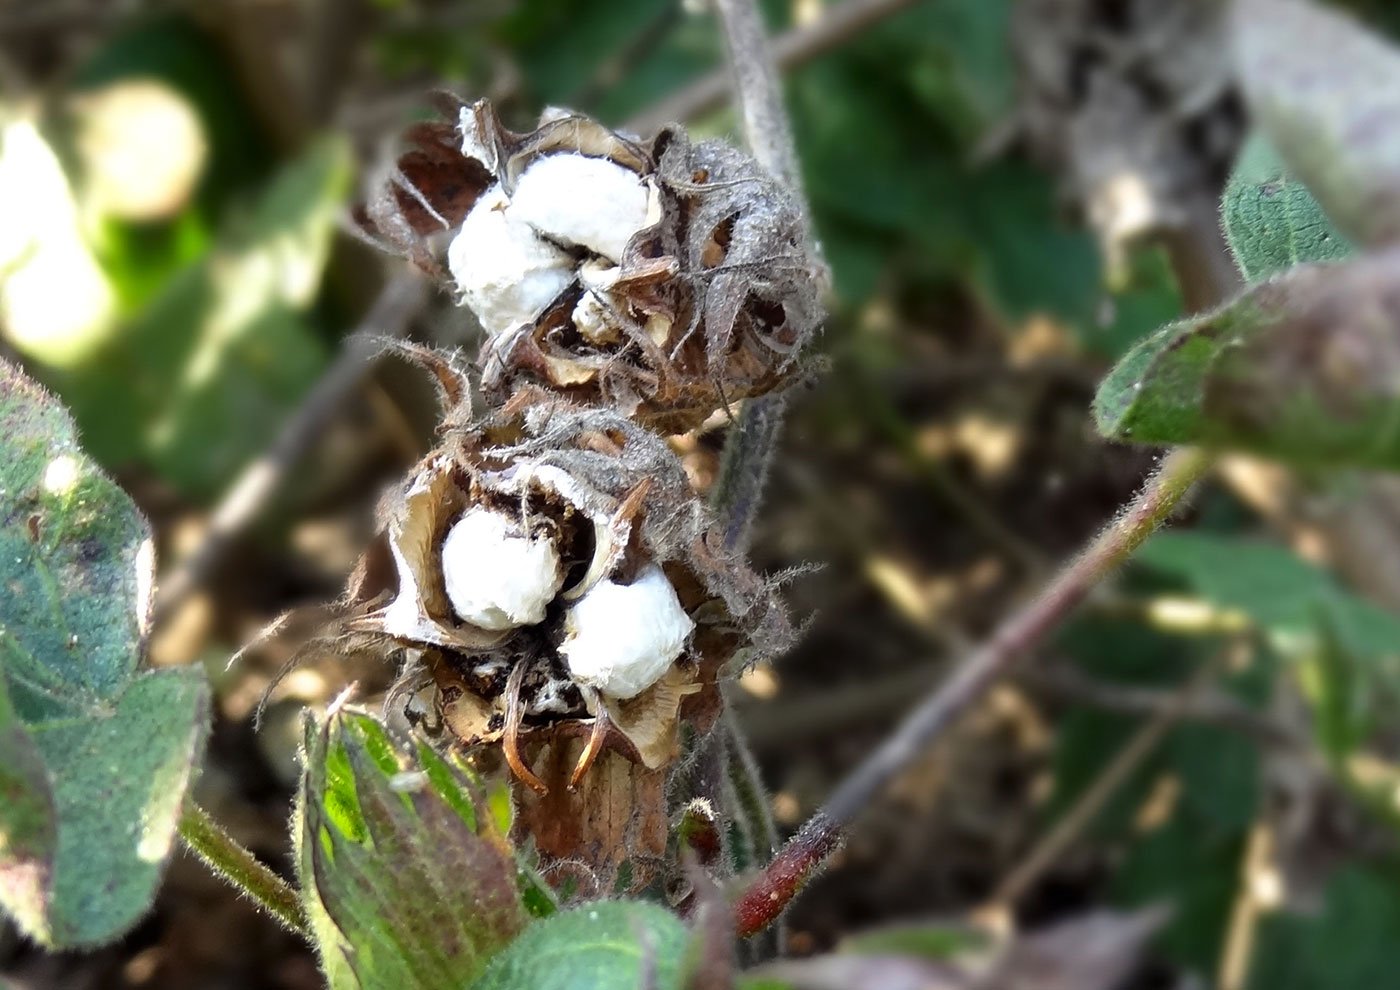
[96,755]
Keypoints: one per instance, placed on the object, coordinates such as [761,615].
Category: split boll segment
[547,569]
[661,277]
[511,257]
[589,203]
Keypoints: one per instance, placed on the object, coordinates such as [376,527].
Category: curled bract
[548,569]
[663,278]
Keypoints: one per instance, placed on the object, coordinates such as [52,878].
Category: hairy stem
[240,869]
[744,465]
[770,893]
[838,23]
[748,452]
[756,81]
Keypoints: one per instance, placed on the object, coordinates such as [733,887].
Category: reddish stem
[772,891]
[796,864]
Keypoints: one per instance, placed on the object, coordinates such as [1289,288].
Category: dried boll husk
[596,520]
[662,277]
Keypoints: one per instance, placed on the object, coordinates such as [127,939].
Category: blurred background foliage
[173,262]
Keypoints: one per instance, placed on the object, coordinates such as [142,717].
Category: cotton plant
[559,609]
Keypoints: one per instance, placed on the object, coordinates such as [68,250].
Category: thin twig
[841,707]
[1248,907]
[241,869]
[744,465]
[390,316]
[1216,708]
[766,898]
[1092,800]
[759,89]
[748,451]
[792,48]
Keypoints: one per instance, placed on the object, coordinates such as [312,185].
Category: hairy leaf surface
[1327,93]
[96,756]
[410,882]
[1271,219]
[1305,367]
[622,944]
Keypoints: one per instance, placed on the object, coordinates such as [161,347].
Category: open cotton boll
[496,576]
[506,272]
[620,638]
[588,202]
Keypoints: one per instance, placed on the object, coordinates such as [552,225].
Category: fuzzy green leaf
[118,785]
[622,945]
[97,758]
[1327,93]
[69,546]
[1305,367]
[409,882]
[1271,219]
[28,821]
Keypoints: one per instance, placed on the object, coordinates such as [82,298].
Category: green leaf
[408,883]
[1327,93]
[920,90]
[97,758]
[1348,945]
[1178,821]
[200,380]
[1144,296]
[1193,866]
[613,944]
[1271,219]
[1302,368]
[118,785]
[28,821]
[70,543]
[1282,593]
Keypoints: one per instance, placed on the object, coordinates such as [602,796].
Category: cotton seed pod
[660,277]
[548,569]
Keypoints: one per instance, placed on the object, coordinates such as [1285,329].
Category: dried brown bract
[548,569]
[663,278]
